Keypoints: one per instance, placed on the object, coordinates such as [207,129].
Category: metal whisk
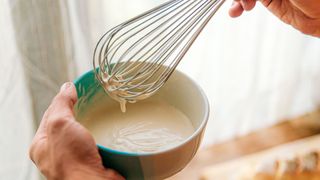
[137,57]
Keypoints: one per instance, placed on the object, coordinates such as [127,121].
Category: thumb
[61,108]
[62,105]
[68,93]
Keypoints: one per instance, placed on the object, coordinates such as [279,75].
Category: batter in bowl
[147,126]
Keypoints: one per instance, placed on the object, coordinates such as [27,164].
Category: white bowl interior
[180,92]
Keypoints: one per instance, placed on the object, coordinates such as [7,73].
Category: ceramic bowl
[181,92]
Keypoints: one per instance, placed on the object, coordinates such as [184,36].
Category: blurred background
[256,70]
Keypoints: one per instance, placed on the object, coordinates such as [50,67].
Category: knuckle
[57,124]
[31,151]
[37,152]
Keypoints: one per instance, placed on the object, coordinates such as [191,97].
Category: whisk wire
[142,72]
[138,56]
[102,59]
[117,46]
[180,39]
[166,74]
[146,36]
[157,51]
[146,66]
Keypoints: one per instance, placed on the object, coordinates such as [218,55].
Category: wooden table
[244,167]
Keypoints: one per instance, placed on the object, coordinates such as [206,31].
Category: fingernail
[65,86]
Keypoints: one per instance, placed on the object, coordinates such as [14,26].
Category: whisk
[134,59]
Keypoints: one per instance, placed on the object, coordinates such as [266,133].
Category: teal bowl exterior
[149,166]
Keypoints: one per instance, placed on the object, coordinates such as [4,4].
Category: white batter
[147,126]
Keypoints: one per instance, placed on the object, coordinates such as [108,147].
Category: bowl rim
[200,129]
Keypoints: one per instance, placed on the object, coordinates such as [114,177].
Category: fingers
[266,3]
[236,9]
[239,6]
[248,5]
